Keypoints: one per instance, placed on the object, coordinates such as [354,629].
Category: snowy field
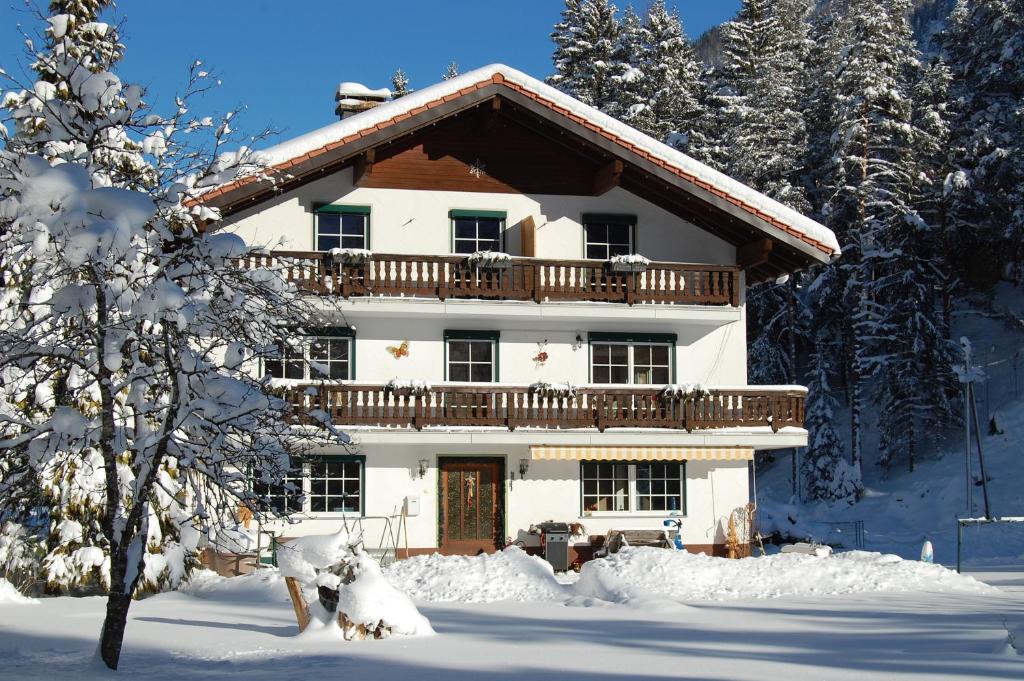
[647,614]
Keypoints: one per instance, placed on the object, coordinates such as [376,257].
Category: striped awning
[582,453]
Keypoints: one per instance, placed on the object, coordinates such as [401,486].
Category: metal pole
[967,449]
[959,539]
[981,457]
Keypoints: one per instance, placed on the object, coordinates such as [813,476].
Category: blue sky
[283,59]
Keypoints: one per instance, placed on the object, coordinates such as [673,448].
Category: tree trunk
[112,635]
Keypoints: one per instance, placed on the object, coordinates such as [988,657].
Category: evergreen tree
[985,46]
[399,84]
[451,71]
[828,476]
[887,298]
[674,84]
[585,42]
[627,98]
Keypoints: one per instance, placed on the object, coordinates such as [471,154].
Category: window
[625,358]
[608,235]
[335,485]
[326,484]
[342,227]
[619,487]
[477,231]
[472,356]
[285,495]
[328,355]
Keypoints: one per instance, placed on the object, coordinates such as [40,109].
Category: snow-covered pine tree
[762,88]
[399,84]
[127,332]
[585,42]
[827,474]
[872,208]
[451,70]
[984,42]
[674,81]
[627,99]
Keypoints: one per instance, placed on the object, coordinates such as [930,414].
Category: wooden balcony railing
[511,407]
[452,276]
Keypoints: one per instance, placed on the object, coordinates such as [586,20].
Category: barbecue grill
[554,538]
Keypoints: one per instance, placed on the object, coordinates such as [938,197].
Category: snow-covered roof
[348,89]
[303,148]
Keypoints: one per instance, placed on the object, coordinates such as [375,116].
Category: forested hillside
[898,124]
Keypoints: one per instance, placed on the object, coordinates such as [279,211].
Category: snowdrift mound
[509,575]
[264,586]
[10,595]
[637,574]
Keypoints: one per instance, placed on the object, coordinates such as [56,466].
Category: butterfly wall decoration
[400,351]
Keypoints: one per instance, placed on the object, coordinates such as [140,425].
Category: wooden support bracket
[608,177]
[364,167]
[754,253]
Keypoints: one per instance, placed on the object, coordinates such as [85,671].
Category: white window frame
[476,238]
[305,343]
[587,243]
[448,358]
[341,230]
[303,481]
[633,498]
[631,359]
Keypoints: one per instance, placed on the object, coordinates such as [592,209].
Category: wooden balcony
[511,407]
[528,279]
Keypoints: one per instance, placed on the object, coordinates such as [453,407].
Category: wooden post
[298,603]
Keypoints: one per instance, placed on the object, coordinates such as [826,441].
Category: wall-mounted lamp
[524,465]
[577,342]
[424,464]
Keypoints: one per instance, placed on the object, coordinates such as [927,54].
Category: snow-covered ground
[654,614]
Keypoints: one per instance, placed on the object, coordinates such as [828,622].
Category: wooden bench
[616,539]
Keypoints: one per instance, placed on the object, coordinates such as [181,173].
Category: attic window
[608,235]
[342,227]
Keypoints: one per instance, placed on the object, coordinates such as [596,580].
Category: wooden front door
[471,505]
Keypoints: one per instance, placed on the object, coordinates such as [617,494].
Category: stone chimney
[354,98]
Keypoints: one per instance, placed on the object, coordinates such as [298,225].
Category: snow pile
[685,391]
[489,259]
[509,575]
[640,573]
[350,89]
[404,386]
[10,595]
[337,562]
[263,586]
[351,255]
[546,389]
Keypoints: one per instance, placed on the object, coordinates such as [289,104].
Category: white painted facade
[710,349]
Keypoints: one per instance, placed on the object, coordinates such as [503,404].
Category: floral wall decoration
[542,354]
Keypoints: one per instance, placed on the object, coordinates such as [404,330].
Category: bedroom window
[477,231]
[328,355]
[642,487]
[608,235]
[472,356]
[622,358]
[285,494]
[342,227]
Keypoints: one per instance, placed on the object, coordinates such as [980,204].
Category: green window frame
[341,226]
[603,235]
[473,338]
[471,230]
[632,356]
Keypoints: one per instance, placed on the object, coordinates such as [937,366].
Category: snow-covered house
[539,316]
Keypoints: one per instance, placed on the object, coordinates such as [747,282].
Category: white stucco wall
[550,491]
[704,354]
[415,221]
